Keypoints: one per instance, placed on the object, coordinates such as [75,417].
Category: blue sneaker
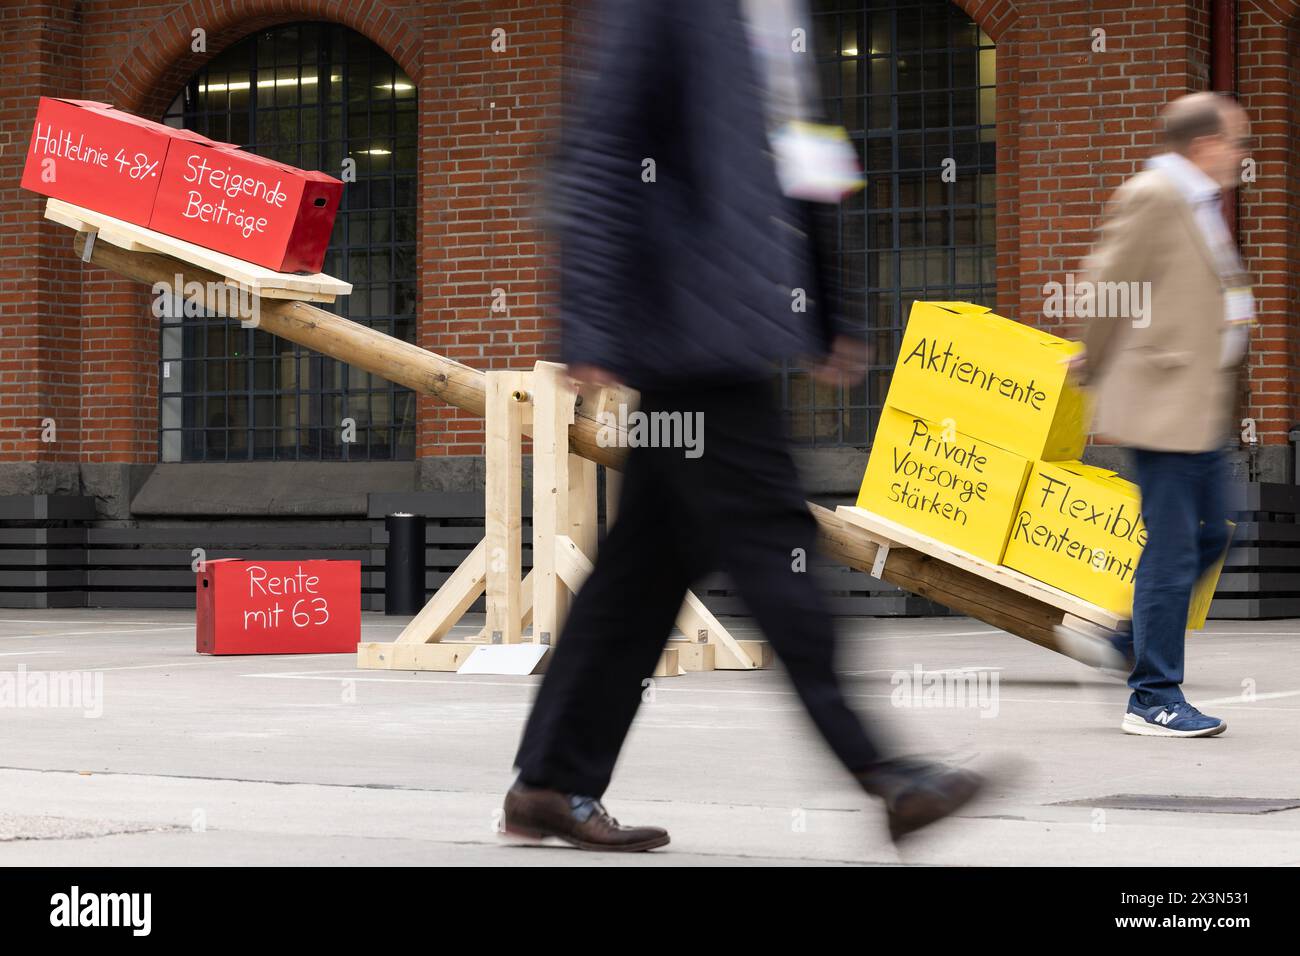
[1179,719]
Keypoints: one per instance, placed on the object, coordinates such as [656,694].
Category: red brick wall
[1089,119]
[488,114]
[1269,209]
[40,284]
[1071,125]
[95,352]
[999,19]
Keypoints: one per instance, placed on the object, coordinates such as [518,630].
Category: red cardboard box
[278,607]
[247,206]
[92,155]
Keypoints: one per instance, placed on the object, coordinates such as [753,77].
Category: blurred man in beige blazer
[1165,382]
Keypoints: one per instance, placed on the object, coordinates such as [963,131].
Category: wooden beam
[693,617]
[964,592]
[392,359]
[896,535]
[445,656]
[502,529]
[552,482]
[571,565]
[692,656]
[449,602]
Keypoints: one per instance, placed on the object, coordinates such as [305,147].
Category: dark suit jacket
[691,276]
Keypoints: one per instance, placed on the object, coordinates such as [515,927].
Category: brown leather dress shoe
[533,813]
[917,794]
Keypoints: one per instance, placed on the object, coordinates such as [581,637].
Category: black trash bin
[404,564]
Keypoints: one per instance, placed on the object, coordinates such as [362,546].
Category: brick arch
[1283,11]
[996,17]
[161,61]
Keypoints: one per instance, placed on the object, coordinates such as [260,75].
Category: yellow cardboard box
[1079,528]
[997,380]
[949,486]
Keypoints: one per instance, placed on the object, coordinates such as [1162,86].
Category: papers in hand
[816,162]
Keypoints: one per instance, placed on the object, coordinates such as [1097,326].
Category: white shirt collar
[1195,186]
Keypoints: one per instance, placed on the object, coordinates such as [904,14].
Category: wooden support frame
[503,516]
[998,603]
[553,408]
[564,540]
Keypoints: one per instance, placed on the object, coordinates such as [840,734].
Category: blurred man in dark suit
[688,269]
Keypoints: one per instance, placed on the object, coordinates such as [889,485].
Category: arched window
[312,95]
[913,82]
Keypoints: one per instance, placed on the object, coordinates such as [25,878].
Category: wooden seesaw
[565,430]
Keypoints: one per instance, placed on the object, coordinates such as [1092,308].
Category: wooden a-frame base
[530,610]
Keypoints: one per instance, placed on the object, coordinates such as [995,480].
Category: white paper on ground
[517,659]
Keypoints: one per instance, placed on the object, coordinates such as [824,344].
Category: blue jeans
[1184,508]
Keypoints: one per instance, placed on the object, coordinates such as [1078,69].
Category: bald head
[1210,130]
[1188,118]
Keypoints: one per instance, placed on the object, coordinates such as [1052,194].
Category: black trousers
[736,507]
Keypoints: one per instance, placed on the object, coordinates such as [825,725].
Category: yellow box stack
[1079,528]
[974,400]
[995,379]
[977,448]
[947,485]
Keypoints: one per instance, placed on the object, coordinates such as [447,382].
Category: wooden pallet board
[899,536]
[253,278]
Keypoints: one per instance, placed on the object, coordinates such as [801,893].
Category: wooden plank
[1269,496]
[669,664]
[692,656]
[132,238]
[136,578]
[211,536]
[32,578]
[571,565]
[1232,582]
[1266,532]
[582,504]
[181,599]
[526,603]
[758,656]
[449,602]
[51,599]
[970,594]
[967,593]
[613,489]
[1259,608]
[183,558]
[268,292]
[504,491]
[54,537]
[693,618]
[19,558]
[1013,580]
[552,412]
[600,401]
[1266,557]
[47,507]
[443,656]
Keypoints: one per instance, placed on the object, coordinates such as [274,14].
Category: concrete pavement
[307,760]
